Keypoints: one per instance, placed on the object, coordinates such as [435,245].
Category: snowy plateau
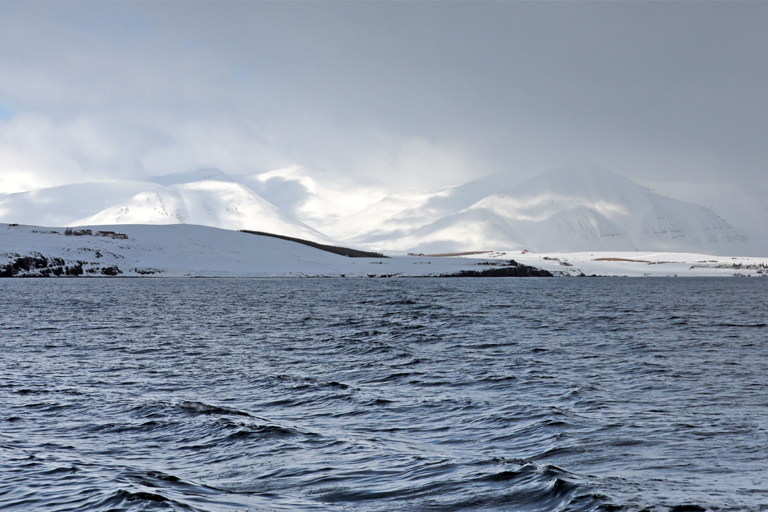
[570,221]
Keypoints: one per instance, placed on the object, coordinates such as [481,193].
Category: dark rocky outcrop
[37,265]
[34,265]
[342,251]
[513,270]
[23,263]
[111,271]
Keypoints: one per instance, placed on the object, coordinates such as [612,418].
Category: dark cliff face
[342,251]
[38,265]
[513,270]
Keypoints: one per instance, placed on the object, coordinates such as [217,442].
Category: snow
[743,207]
[177,178]
[210,203]
[312,198]
[421,210]
[570,209]
[638,264]
[315,198]
[582,229]
[469,230]
[575,209]
[60,206]
[182,250]
[368,218]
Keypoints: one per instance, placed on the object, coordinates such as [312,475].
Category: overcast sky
[408,93]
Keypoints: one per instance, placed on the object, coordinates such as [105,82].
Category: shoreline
[185,251]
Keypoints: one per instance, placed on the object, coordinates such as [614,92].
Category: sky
[399,94]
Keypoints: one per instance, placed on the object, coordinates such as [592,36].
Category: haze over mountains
[217,204]
[565,210]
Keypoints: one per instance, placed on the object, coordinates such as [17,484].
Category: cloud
[411,162]
[35,152]
[414,93]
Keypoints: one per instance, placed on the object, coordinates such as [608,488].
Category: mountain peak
[188,176]
[209,203]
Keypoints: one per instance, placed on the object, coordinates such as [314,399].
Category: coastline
[185,251]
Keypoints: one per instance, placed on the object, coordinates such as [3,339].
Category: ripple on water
[489,394]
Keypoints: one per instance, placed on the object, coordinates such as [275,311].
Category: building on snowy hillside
[112,235]
[77,232]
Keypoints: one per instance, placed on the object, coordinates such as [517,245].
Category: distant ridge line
[342,251]
[454,254]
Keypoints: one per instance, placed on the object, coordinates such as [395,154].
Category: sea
[402,394]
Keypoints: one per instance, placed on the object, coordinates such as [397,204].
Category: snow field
[182,250]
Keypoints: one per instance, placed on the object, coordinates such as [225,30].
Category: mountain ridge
[564,209]
[208,203]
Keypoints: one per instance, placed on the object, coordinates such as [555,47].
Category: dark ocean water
[384,394]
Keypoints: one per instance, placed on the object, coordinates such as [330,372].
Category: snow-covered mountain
[207,203]
[196,251]
[313,197]
[743,207]
[189,177]
[312,200]
[595,209]
[368,218]
[60,206]
[419,209]
[571,209]
[467,231]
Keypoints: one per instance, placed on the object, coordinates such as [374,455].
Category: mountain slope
[192,251]
[312,197]
[581,229]
[470,230]
[743,207]
[366,219]
[207,203]
[571,209]
[178,178]
[63,205]
[420,210]
[645,220]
